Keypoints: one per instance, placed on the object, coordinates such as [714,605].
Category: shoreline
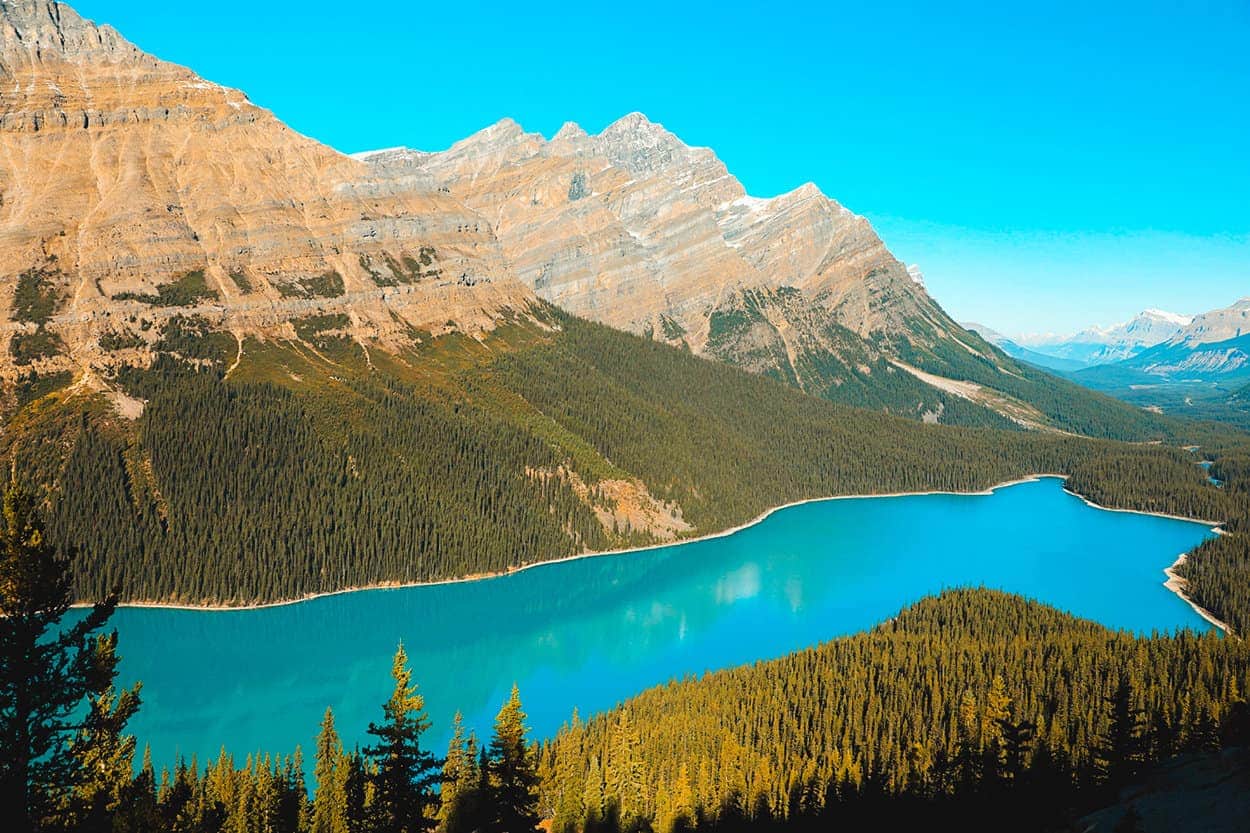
[1032,478]
[1178,585]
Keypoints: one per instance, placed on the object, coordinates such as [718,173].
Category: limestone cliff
[133,191]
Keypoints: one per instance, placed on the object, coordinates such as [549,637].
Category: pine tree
[329,812]
[459,796]
[46,673]
[140,811]
[1017,742]
[356,784]
[997,709]
[102,754]
[967,752]
[513,800]
[624,773]
[1121,749]
[403,796]
[567,809]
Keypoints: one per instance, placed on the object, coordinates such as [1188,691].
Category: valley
[765,539]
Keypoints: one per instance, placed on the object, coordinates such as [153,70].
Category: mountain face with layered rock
[133,192]
[147,210]
[633,228]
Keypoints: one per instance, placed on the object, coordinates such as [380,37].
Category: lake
[590,632]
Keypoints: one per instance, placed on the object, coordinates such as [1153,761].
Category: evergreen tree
[1122,748]
[403,795]
[1235,729]
[46,673]
[1017,741]
[513,780]
[460,796]
[329,811]
[103,755]
[140,811]
[356,785]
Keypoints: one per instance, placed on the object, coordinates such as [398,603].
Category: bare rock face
[1223,324]
[131,190]
[635,229]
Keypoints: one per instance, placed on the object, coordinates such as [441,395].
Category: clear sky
[1048,165]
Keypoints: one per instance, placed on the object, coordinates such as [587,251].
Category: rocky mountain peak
[34,30]
[569,131]
[641,146]
[1229,322]
[502,142]
[633,124]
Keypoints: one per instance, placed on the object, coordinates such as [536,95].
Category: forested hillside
[313,465]
[463,459]
[973,707]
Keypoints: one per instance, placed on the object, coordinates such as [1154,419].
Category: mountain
[151,207]
[1104,345]
[635,229]
[1024,354]
[1219,325]
[1214,347]
[136,193]
[241,365]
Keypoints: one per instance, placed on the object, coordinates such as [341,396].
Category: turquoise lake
[590,632]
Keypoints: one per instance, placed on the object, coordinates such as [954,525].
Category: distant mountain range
[1104,345]
[1194,366]
[1024,354]
[1212,347]
[1155,347]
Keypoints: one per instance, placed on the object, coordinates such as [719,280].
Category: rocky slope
[133,192]
[634,228]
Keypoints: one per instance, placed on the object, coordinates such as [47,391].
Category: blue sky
[1047,165]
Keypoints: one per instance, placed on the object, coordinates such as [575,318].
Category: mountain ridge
[156,214]
[635,229]
[1105,345]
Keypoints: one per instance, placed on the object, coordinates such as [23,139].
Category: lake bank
[1179,585]
[398,585]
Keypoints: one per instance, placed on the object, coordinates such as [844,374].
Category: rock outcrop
[132,190]
[1222,324]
